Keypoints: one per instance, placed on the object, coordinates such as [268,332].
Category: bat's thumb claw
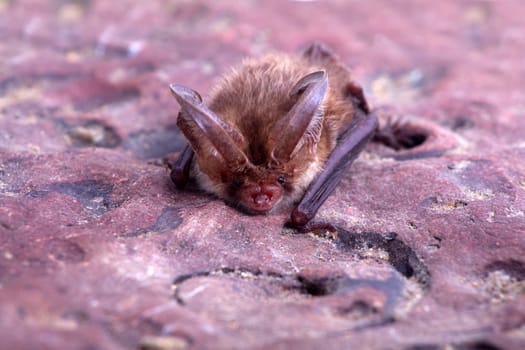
[299,218]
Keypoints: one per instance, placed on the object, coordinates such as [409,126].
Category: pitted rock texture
[98,250]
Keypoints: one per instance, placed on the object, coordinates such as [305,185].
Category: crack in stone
[314,287]
[93,195]
[402,258]
[155,143]
[169,219]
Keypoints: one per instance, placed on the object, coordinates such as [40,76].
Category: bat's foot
[398,135]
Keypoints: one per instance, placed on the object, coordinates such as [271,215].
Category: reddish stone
[99,250]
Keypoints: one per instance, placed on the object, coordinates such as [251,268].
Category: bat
[277,130]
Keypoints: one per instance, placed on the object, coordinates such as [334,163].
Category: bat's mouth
[255,210]
[257,199]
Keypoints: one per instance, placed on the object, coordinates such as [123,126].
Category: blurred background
[92,59]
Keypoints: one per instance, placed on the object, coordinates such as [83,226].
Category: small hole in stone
[511,267]
[357,309]
[411,140]
[408,271]
[318,286]
[480,345]
[93,133]
[460,122]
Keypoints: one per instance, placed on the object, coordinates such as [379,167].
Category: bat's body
[277,129]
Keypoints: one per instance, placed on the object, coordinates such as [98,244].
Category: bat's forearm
[351,143]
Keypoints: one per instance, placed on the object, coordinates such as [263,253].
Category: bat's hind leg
[180,169]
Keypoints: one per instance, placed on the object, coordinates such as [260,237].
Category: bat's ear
[319,54]
[303,123]
[183,93]
[203,128]
[314,80]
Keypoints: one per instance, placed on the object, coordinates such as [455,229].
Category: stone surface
[99,251]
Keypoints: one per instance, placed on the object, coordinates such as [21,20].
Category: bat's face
[258,163]
[256,189]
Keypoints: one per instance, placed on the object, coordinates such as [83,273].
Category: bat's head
[264,162]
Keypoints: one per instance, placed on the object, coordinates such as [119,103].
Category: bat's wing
[350,144]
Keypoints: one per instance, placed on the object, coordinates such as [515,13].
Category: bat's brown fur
[251,99]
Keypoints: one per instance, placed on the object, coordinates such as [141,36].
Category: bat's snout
[260,199]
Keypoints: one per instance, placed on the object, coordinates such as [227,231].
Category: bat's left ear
[318,78]
[303,123]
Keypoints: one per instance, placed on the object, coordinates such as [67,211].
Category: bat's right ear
[202,127]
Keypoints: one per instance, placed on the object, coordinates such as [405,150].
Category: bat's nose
[261,198]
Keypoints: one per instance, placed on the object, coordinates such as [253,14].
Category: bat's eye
[281,179]
[237,183]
